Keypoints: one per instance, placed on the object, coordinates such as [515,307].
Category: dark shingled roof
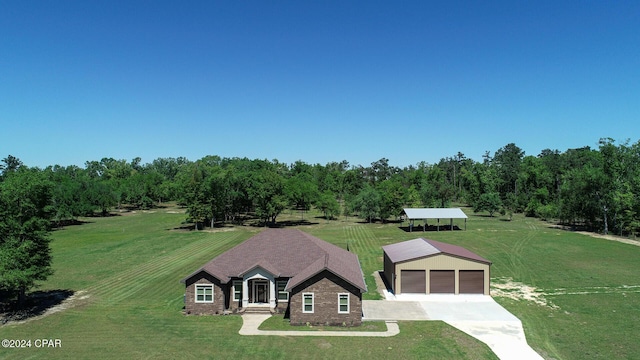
[418,248]
[286,253]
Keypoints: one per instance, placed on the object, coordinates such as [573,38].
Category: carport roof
[419,248]
[435,213]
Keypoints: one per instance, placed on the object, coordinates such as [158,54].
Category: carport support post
[438,224]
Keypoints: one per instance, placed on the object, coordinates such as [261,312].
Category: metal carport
[434,213]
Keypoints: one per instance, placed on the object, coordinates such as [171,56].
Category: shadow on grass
[185,227]
[385,282]
[378,221]
[287,223]
[429,228]
[483,216]
[36,304]
[61,224]
[322,217]
[572,227]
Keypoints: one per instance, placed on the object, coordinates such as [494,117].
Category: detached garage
[423,266]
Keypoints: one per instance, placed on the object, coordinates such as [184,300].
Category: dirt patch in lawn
[610,237]
[41,304]
[599,236]
[506,287]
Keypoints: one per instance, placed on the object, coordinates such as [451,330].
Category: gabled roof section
[410,249]
[315,267]
[344,265]
[419,248]
[458,251]
[286,253]
[264,265]
[212,270]
[435,213]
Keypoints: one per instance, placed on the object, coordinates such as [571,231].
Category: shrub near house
[284,270]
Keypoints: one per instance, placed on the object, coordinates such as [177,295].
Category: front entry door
[260,292]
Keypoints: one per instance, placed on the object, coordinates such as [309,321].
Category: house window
[307,302]
[343,303]
[204,293]
[282,295]
[237,290]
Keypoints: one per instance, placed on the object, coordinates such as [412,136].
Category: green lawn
[125,271]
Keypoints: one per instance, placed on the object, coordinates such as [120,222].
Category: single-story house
[284,270]
[431,267]
[413,214]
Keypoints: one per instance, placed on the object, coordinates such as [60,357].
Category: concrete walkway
[251,322]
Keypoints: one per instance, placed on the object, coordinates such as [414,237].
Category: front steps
[257,310]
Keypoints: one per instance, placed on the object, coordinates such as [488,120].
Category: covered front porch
[259,292]
[259,288]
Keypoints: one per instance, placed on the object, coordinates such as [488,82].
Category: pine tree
[25,207]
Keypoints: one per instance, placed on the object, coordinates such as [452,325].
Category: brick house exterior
[200,308]
[326,289]
[283,270]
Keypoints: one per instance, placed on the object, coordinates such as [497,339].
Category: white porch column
[272,292]
[245,293]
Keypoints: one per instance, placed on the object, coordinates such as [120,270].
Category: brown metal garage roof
[421,247]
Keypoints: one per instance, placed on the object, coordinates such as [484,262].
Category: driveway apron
[484,319]
[392,310]
[477,315]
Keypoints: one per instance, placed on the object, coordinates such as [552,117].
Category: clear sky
[317,81]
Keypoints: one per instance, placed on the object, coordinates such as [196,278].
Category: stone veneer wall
[326,286]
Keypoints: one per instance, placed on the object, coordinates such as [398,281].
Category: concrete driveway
[393,310]
[477,315]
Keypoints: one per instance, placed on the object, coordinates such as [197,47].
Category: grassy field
[578,296]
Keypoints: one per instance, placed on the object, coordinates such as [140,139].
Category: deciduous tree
[489,202]
[328,204]
[367,203]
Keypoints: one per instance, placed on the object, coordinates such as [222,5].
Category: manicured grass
[126,273]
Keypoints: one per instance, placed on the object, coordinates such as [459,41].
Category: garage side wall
[440,262]
[389,272]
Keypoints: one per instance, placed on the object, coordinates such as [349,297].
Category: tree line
[593,188]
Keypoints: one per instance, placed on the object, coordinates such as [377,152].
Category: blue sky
[317,81]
